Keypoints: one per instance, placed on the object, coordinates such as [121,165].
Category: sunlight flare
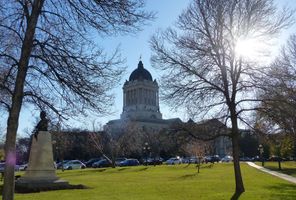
[250,48]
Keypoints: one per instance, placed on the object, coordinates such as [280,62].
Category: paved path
[274,173]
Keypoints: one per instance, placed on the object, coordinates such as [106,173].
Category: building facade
[140,96]
[141,109]
[140,104]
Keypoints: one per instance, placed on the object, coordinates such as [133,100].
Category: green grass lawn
[167,183]
[288,167]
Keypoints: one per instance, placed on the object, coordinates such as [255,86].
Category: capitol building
[140,104]
[141,109]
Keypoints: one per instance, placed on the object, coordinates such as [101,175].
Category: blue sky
[132,47]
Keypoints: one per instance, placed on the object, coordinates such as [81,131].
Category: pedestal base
[38,186]
[24,186]
[41,165]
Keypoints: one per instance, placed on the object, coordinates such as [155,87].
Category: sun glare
[254,49]
[246,48]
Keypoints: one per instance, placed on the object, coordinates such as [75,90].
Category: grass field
[167,183]
[288,167]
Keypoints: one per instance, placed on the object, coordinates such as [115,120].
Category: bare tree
[130,140]
[278,93]
[49,56]
[4,92]
[204,71]
[98,140]
[198,149]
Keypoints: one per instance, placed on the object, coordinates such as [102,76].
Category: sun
[250,48]
[245,48]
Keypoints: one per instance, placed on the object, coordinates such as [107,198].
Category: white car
[23,167]
[74,164]
[227,159]
[173,161]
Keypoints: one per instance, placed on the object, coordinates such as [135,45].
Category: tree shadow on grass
[142,169]
[204,166]
[122,169]
[187,176]
[288,171]
[209,166]
[291,172]
[100,170]
[284,191]
[186,166]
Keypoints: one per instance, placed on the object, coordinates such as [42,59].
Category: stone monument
[40,174]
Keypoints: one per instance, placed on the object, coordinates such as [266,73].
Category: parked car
[227,159]
[212,159]
[245,159]
[61,164]
[256,158]
[173,161]
[129,162]
[118,160]
[153,161]
[74,164]
[17,167]
[23,167]
[102,163]
[2,166]
[185,160]
[193,160]
[90,162]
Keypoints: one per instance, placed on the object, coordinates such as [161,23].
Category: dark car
[92,161]
[194,160]
[102,163]
[215,158]
[129,162]
[212,159]
[118,160]
[153,161]
[245,159]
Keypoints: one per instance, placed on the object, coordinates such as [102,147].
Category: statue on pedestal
[41,173]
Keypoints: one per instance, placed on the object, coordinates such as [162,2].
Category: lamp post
[146,150]
[261,151]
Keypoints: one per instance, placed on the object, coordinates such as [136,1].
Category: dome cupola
[140,73]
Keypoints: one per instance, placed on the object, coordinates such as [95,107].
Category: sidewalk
[274,173]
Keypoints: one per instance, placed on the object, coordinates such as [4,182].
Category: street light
[261,151]
[146,150]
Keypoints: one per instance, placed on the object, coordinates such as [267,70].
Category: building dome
[140,73]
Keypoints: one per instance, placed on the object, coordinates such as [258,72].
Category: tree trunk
[239,185]
[279,163]
[17,98]
[294,152]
